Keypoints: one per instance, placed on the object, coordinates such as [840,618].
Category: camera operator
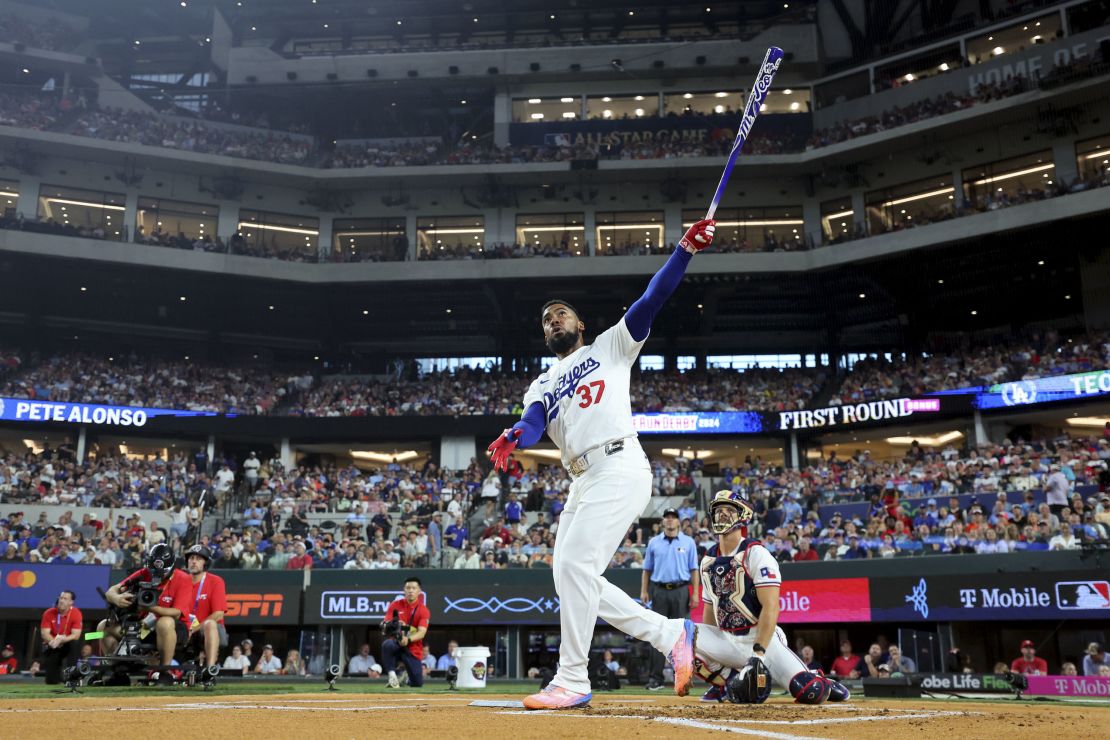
[209,603]
[167,617]
[60,629]
[405,626]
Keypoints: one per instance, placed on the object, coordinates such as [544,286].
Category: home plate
[502,704]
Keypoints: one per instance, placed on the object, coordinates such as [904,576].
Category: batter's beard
[560,345]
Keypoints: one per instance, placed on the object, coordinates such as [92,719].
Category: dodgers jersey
[729,583]
[585,395]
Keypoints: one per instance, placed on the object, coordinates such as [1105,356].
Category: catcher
[740,635]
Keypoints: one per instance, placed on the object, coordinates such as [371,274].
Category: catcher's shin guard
[810,688]
[712,673]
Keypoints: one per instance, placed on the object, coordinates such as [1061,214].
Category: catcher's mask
[730,510]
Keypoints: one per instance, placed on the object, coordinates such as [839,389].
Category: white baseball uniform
[589,417]
[729,587]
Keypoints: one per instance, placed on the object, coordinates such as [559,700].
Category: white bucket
[473,663]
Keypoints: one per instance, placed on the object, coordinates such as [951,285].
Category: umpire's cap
[670,511]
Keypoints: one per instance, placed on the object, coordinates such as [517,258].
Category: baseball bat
[760,88]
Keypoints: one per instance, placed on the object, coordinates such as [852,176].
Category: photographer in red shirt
[407,642]
[60,629]
[168,619]
[209,603]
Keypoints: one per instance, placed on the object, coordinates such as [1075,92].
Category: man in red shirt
[168,618]
[301,560]
[1029,663]
[847,664]
[409,648]
[209,603]
[805,552]
[60,629]
[8,663]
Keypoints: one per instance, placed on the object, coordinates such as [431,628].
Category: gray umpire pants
[672,603]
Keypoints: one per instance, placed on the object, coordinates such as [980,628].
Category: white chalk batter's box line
[709,724]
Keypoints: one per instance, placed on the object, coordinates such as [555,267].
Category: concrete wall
[271,68]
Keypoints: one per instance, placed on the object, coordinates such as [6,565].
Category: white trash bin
[473,663]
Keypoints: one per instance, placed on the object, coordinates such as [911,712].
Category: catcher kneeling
[740,647]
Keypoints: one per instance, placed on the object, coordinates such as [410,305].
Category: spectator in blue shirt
[513,510]
[457,534]
[447,660]
[855,550]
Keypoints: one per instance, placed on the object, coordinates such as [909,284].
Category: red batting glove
[699,236]
[501,449]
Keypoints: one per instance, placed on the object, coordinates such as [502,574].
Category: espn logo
[262,605]
[1083,595]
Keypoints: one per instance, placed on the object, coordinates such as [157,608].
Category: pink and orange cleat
[682,657]
[556,697]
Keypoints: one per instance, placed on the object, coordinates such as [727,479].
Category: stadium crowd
[192,136]
[51,35]
[133,381]
[1040,356]
[1016,495]
[128,379]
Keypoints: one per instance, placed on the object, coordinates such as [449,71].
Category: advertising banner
[998,596]
[857,413]
[987,683]
[1069,686]
[617,132]
[699,422]
[1079,386]
[535,602]
[828,600]
[22,409]
[36,586]
[263,597]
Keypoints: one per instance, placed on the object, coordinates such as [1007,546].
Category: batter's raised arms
[583,403]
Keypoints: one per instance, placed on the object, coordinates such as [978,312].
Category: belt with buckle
[581,464]
[673,586]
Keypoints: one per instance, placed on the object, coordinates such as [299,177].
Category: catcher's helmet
[159,560]
[749,685]
[201,551]
[730,510]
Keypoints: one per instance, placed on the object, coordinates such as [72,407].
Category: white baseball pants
[719,648]
[603,503]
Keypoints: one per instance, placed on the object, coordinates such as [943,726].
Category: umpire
[670,566]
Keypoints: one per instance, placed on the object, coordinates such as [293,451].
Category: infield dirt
[269,716]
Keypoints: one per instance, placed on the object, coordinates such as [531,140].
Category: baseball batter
[583,403]
[740,586]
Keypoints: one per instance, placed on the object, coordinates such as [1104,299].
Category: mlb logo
[1083,595]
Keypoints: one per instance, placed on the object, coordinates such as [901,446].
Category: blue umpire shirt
[670,559]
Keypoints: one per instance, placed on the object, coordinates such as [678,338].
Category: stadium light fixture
[1015,173]
[934,441]
[384,457]
[919,196]
[766,222]
[9,194]
[943,66]
[454,231]
[639,111]
[273,227]
[998,51]
[834,216]
[86,204]
[566,100]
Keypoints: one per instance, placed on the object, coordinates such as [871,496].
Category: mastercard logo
[20,578]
